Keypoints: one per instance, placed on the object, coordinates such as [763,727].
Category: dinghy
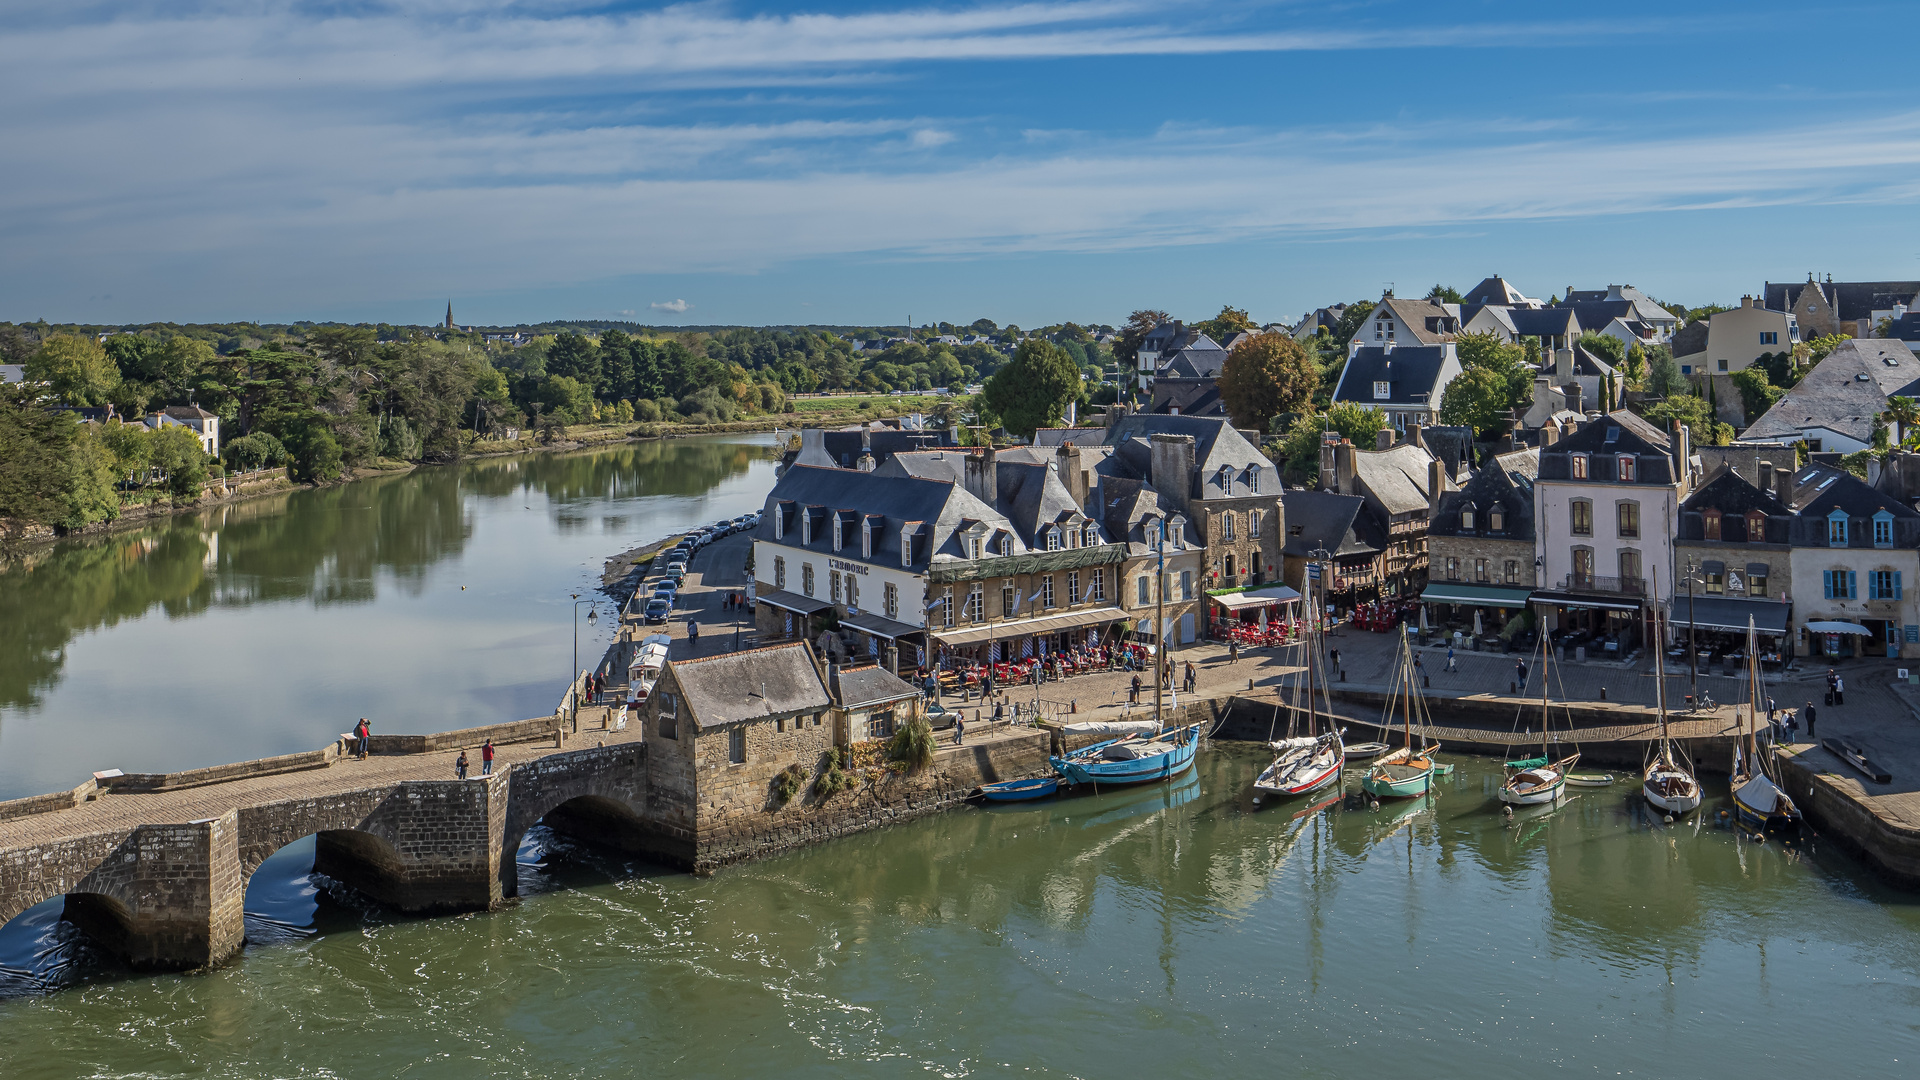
[1589,779]
[1132,759]
[1366,751]
[1020,790]
[1666,782]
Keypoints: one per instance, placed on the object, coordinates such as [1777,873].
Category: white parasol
[1476,622]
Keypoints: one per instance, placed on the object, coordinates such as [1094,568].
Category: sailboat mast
[1160,658]
[1660,665]
[1313,646]
[1545,657]
[1406,701]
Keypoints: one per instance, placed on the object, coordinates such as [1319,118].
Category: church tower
[449,314]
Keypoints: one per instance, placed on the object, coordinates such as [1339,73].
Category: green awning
[1455,592]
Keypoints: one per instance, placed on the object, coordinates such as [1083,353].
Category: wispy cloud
[675,306]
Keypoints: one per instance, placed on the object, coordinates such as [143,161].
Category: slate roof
[1396,478]
[1191,397]
[935,509]
[1634,305]
[1128,506]
[188,412]
[1451,443]
[1427,321]
[1819,490]
[1201,358]
[1216,445]
[1906,328]
[1690,339]
[1616,433]
[1068,436]
[1326,519]
[1850,299]
[1491,291]
[1414,373]
[1844,392]
[765,683]
[1032,497]
[842,448]
[1545,322]
[1506,482]
[869,685]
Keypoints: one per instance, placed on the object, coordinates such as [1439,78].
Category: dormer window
[806,525]
[1382,389]
[1882,529]
[1466,516]
[1006,543]
[1226,477]
[1497,519]
[866,539]
[976,547]
[1711,520]
[1837,529]
[780,520]
[1577,466]
[1177,527]
[836,532]
[1153,536]
[1625,465]
[1756,527]
[1053,538]
[1089,536]
[906,548]
[1253,479]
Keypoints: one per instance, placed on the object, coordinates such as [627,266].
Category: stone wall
[168,896]
[1836,804]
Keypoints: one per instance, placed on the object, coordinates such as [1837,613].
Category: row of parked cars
[666,589]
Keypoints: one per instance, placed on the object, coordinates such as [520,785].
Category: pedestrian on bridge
[460,766]
[486,758]
[361,733]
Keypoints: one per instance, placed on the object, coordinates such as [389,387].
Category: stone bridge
[155,866]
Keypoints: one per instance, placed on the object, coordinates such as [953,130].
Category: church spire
[449,314]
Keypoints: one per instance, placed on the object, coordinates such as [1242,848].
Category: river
[1177,931]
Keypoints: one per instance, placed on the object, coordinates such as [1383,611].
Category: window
[780,521]
[976,547]
[806,578]
[1710,522]
[1145,590]
[1453,568]
[1466,517]
[1006,543]
[1007,597]
[1226,525]
[1882,529]
[669,716]
[1716,582]
[1883,585]
[1177,532]
[1629,571]
[866,539]
[1513,571]
[779,572]
[1053,538]
[1577,463]
[1382,390]
[1253,479]
[906,548]
[1497,520]
[1479,569]
[1582,517]
[1099,587]
[1583,567]
[1153,536]
[1230,566]
[1629,520]
[1380,330]
[834,524]
[976,605]
[1046,591]
[1756,583]
[853,591]
[890,599]
[833,585]
[780,725]
[1625,466]
[1089,536]
[946,608]
[1837,584]
[1723,363]
[1073,587]
[1756,527]
[1767,337]
[1186,584]
[1837,529]
[1253,524]
[737,745]
[806,525]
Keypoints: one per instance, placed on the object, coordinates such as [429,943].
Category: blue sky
[862,163]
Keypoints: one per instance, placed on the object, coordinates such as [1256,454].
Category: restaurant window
[1578,466]
[1073,587]
[1513,571]
[891,598]
[737,744]
[669,716]
[1453,568]
[1629,520]
[779,572]
[1582,517]
[1144,589]
[1497,519]
[1629,571]
[1479,569]
[806,578]
[1098,590]
[1756,584]
[1046,591]
[1466,517]
[866,539]
[1186,584]
[1625,465]
[853,592]
[1716,582]
[833,585]
[1710,520]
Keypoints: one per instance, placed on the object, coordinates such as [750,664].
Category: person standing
[460,765]
[959,729]
[693,633]
[1133,692]
[1520,673]
[1450,664]
[486,758]
[1808,712]
[1193,676]
[362,733]
[1233,652]
[1336,662]
[1839,690]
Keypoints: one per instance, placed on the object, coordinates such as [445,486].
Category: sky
[871,163]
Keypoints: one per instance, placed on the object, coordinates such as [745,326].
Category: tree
[1266,375]
[1695,412]
[1127,346]
[1780,368]
[576,358]
[77,369]
[1352,321]
[1230,321]
[1663,376]
[91,472]
[1479,398]
[1606,347]
[1904,415]
[1033,389]
[1445,294]
[177,452]
[35,470]
[1757,394]
[1821,347]
[1298,451]
[1635,368]
[345,346]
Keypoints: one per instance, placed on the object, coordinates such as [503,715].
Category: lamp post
[1693,661]
[593,619]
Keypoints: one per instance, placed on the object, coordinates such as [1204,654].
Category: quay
[155,867]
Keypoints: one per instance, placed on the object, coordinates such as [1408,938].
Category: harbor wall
[1837,806]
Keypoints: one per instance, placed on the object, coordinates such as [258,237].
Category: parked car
[657,611]
[666,588]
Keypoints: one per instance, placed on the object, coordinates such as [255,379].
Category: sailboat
[1408,771]
[1311,761]
[1758,802]
[1667,782]
[1537,780]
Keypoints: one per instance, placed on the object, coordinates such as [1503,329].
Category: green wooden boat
[1398,777]
[1407,772]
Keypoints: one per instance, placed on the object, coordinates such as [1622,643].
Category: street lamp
[593,619]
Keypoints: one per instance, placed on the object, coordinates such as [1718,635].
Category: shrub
[788,784]
[832,779]
[256,451]
[911,748]
[647,412]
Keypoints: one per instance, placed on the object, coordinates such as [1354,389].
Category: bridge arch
[595,796]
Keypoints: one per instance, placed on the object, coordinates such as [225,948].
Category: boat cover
[1294,744]
[1119,752]
[1111,727]
[1763,795]
[1527,763]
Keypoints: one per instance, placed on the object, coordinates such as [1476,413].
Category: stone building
[1732,547]
[1398,486]
[1853,550]
[1480,540]
[1335,531]
[1224,486]
[1164,558]
[1852,308]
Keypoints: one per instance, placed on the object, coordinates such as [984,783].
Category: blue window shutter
[1852,585]
[1896,584]
[1826,583]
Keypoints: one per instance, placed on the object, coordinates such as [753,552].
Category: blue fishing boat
[1020,790]
[1132,759]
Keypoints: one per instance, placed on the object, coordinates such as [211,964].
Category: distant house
[1738,337]
[1406,322]
[1330,528]
[1405,383]
[13,373]
[1853,308]
[1480,540]
[202,423]
[1497,292]
[1597,308]
[1316,320]
[1834,406]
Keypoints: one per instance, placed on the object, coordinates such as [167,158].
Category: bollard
[1512,688]
[1426,681]
[1249,684]
[1603,693]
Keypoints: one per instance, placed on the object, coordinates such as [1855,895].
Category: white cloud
[927,138]
[675,306]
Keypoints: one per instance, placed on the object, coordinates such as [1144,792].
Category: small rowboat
[1440,769]
[1021,790]
[1365,751]
[1589,779]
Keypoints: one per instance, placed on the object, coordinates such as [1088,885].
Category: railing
[1624,586]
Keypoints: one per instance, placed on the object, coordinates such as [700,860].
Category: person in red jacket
[486,759]
[361,732]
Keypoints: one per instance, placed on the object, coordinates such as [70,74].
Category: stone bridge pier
[165,896]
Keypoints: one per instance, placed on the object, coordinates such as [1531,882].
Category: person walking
[1336,661]
[1808,713]
[1789,725]
[693,633]
[1233,652]
[1450,664]
[1839,690]
[486,758]
[959,729]
[361,733]
[1193,676]
[1520,673]
[1133,692]
[460,765]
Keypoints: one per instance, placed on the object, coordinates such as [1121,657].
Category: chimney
[1413,435]
[1436,485]
[1783,486]
[1549,434]
[1073,413]
[1746,301]
[1329,469]
[1343,466]
[1766,476]
[1383,439]
[1574,392]
[1682,453]
[1563,364]
[1542,398]
[819,666]
[1172,469]
[1873,472]
[1613,293]
[981,475]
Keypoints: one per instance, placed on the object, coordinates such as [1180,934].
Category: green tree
[177,452]
[1127,347]
[1821,347]
[76,368]
[1298,450]
[1479,398]
[1663,376]
[1780,368]
[1445,294]
[1695,412]
[35,465]
[92,473]
[1757,394]
[1266,375]
[349,347]
[1230,321]
[316,454]
[1606,347]
[1034,388]
[1635,368]
[257,451]
[132,448]
[1904,415]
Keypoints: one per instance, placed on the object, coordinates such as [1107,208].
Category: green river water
[1179,930]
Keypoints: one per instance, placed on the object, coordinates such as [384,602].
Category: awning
[868,623]
[1839,628]
[1279,594]
[1728,613]
[1455,592]
[1019,628]
[794,602]
[1584,600]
